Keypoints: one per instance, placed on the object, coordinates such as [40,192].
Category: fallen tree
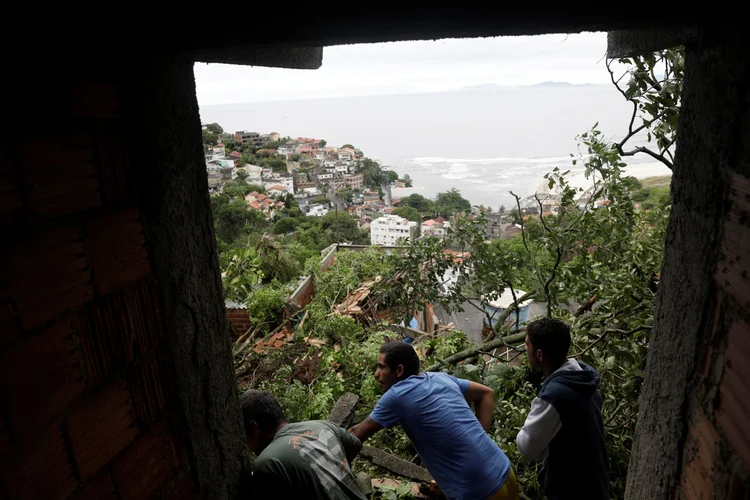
[508,341]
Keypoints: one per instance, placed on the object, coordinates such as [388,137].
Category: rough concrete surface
[628,43]
[164,128]
[272,57]
[714,103]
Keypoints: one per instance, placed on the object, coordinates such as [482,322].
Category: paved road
[470,321]
[337,202]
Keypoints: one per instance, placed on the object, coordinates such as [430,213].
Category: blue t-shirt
[462,458]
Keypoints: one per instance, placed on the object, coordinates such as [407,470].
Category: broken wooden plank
[396,465]
[343,411]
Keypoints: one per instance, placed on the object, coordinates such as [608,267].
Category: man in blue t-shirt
[433,409]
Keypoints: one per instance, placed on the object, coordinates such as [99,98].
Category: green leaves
[241,274]
[390,492]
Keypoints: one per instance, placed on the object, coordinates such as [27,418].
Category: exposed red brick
[47,273]
[117,328]
[734,406]
[145,466]
[113,163]
[100,428]
[39,377]
[699,455]
[10,191]
[94,100]
[101,487]
[118,249]
[146,391]
[38,468]
[733,271]
[240,320]
[60,174]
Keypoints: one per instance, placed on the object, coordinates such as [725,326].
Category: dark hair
[552,336]
[401,353]
[262,408]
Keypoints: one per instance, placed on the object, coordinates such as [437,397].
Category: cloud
[410,67]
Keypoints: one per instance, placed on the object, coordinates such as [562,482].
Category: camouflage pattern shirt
[308,460]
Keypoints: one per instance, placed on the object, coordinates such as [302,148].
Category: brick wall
[239,320]
[716,453]
[82,402]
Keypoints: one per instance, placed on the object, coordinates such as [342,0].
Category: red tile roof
[428,222]
[235,154]
[255,205]
[458,257]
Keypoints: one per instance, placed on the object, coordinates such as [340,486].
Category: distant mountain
[560,84]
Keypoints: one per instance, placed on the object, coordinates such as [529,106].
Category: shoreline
[525,187]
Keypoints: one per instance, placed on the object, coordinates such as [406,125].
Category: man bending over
[433,409]
[303,460]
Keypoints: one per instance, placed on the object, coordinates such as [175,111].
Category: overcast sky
[413,67]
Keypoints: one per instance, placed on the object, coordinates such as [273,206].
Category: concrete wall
[164,128]
[692,432]
[84,393]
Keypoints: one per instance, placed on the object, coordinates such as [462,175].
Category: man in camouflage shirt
[303,460]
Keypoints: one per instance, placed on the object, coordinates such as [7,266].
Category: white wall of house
[317,210]
[387,230]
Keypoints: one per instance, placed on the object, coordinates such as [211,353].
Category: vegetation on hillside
[596,268]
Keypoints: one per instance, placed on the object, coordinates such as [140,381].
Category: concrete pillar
[165,146]
[691,438]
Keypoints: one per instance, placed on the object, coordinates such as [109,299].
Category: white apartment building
[341,168]
[317,210]
[387,230]
[274,178]
[288,149]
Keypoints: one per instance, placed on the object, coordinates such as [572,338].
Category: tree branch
[655,156]
[607,332]
[585,307]
[631,133]
[508,311]
[474,351]
[551,279]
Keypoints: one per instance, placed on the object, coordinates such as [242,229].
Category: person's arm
[365,429]
[351,444]
[484,403]
[386,414]
[542,424]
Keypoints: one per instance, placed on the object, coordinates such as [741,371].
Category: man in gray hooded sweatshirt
[564,426]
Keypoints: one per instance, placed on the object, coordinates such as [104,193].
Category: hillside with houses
[307,177]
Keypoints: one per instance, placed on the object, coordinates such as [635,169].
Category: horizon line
[471,88]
